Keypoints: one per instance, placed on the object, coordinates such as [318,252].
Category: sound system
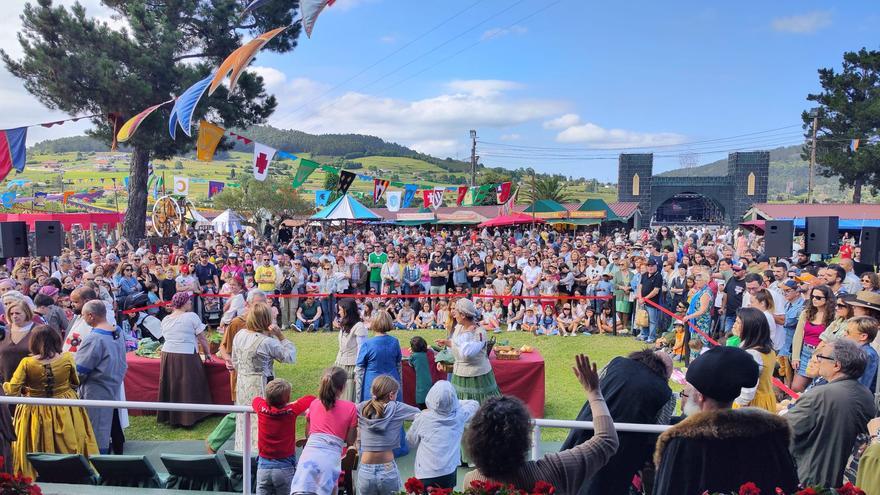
[870,245]
[778,238]
[49,239]
[822,235]
[13,239]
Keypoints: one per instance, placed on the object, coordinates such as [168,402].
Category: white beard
[690,408]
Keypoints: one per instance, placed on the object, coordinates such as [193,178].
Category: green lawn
[564,396]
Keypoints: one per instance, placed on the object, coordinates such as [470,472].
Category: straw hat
[866,299]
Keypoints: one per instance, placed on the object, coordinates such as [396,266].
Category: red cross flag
[262,158]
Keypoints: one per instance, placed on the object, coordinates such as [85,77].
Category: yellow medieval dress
[764,397]
[50,429]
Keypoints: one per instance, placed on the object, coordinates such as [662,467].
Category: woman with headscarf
[253,353]
[472,373]
[182,377]
[352,334]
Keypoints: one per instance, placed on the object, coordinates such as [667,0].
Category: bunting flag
[185,107]
[321,197]
[379,188]
[345,180]
[409,192]
[854,145]
[39,197]
[306,167]
[469,196]
[284,154]
[13,152]
[262,159]
[311,9]
[8,199]
[506,208]
[437,197]
[131,125]
[236,62]
[209,137]
[502,192]
[481,193]
[215,187]
[392,200]
[181,185]
[241,138]
[462,191]
[426,198]
[125,181]
[66,195]
[252,7]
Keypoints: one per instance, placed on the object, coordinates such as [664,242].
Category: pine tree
[79,65]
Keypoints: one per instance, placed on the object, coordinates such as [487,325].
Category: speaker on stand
[822,235]
[13,240]
[870,244]
[778,238]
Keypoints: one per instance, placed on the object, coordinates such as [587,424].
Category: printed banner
[854,145]
[181,185]
[409,192]
[437,197]
[462,192]
[392,200]
[345,180]
[209,137]
[306,167]
[502,192]
[321,197]
[13,152]
[262,158]
[215,187]
[379,187]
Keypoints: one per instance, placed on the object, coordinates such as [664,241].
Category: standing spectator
[101,366]
[734,288]
[863,330]
[755,334]
[826,419]
[265,275]
[46,306]
[651,284]
[360,275]
[794,306]
[352,334]
[439,274]
[817,315]
[376,260]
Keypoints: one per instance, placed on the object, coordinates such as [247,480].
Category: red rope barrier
[776,382]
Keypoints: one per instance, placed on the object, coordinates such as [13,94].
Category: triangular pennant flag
[311,9]
[426,197]
[481,193]
[345,180]
[214,188]
[437,197]
[306,167]
[241,138]
[379,187]
[462,191]
[409,192]
[209,137]
[392,200]
[13,151]
[65,195]
[181,185]
[506,208]
[469,196]
[321,197]
[854,145]
[502,192]
[262,158]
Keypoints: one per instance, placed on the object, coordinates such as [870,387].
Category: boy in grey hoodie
[436,435]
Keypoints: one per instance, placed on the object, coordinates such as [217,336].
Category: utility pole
[473,157]
[815,114]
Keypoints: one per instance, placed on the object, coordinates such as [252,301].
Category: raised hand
[586,373]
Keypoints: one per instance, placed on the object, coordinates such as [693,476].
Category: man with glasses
[651,284]
[734,288]
[826,419]
[265,275]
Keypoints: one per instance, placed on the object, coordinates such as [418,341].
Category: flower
[433,490]
[850,489]
[749,489]
[543,488]
[807,491]
[414,485]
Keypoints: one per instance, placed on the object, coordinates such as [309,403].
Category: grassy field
[564,396]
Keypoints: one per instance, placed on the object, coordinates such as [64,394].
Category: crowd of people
[742,323]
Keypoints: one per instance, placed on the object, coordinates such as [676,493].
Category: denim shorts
[378,479]
[806,355]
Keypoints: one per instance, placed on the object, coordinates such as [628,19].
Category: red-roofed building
[851,216]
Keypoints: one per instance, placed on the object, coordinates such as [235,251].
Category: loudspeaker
[822,235]
[49,239]
[870,244]
[778,238]
[13,239]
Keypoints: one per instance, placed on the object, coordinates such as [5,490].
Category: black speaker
[49,239]
[870,244]
[13,239]
[822,235]
[778,238]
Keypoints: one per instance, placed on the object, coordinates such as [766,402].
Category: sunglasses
[818,298]
[841,306]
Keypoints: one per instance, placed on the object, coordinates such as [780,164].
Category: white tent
[198,218]
[228,222]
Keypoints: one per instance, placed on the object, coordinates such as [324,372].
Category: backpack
[286,286]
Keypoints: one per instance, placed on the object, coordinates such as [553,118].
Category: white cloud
[388,39]
[498,32]
[563,121]
[599,137]
[510,137]
[436,124]
[807,23]
[272,78]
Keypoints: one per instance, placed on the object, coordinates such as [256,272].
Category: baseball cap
[791,284]
[737,265]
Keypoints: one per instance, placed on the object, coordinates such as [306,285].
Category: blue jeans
[303,326]
[274,476]
[378,479]
[377,286]
[786,347]
[728,323]
[327,312]
[650,334]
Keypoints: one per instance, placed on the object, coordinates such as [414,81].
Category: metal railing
[247,411]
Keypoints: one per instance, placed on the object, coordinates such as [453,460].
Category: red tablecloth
[142,381]
[522,378]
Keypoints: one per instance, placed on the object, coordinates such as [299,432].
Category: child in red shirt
[276,437]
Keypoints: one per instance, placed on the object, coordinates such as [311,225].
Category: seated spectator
[694,455]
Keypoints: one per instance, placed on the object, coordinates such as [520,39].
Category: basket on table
[507,352]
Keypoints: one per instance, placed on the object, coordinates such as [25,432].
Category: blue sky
[557,84]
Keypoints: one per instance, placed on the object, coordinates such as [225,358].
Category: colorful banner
[215,187]
[437,197]
[393,199]
[345,180]
[65,195]
[185,107]
[131,125]
[462,192]
[209,137]
[409,192]
[13,151]
[263,156]
[306,167]
[502,192]
[379,188]
[181,185]
[854,145]
[321,197]
[426,198]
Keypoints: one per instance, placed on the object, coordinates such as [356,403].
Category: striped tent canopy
[345,208]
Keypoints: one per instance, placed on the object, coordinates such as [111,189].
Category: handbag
[642,320]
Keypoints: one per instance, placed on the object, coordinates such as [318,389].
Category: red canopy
[512,219]
[67,219]
[755,224]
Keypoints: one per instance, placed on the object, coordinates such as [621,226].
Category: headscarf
[180,299]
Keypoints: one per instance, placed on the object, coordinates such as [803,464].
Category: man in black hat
[716,448]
